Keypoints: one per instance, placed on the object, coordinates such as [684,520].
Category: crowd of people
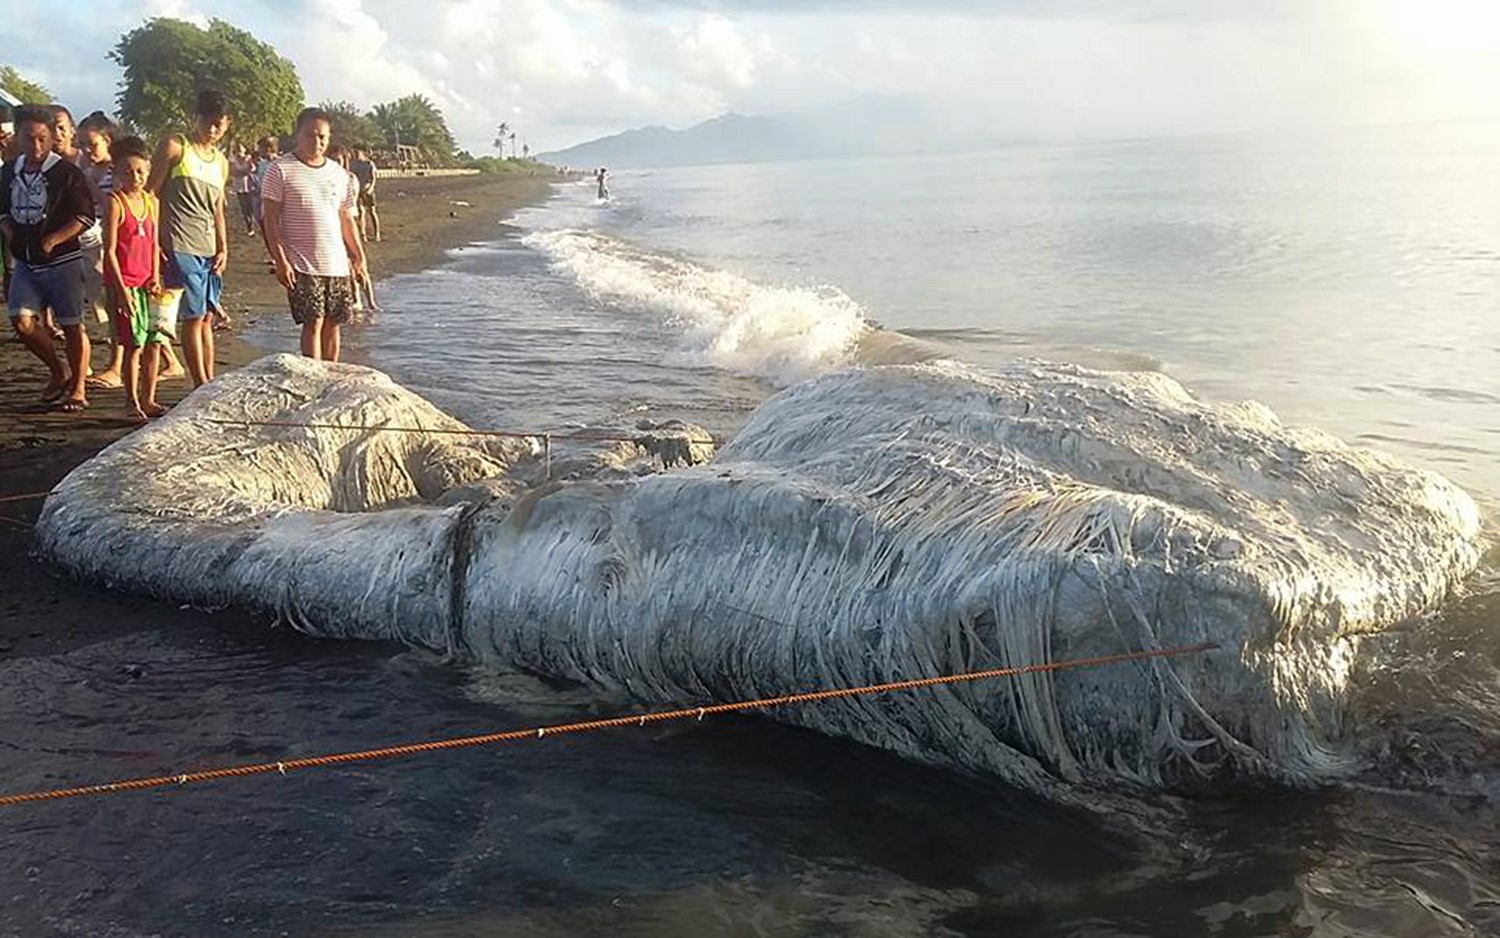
[95,222]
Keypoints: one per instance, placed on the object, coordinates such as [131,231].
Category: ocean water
[1349,280]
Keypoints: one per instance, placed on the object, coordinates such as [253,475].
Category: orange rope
[588,726]
[592,435]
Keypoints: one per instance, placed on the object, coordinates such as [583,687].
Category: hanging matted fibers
[870,526]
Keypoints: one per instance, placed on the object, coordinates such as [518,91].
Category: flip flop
[53,392]
[73,405]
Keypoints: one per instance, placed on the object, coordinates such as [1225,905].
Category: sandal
[53,393]
[73,405]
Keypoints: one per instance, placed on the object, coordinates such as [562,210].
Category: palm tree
[350,125]
[512,144]
[525,151]
[414,121]
[500,133]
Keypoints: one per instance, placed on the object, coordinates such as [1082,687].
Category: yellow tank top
[194,189]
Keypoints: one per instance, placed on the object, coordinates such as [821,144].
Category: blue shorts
[58,288]
[200,287]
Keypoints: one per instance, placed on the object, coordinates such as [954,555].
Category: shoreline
[422,218]
[44,614]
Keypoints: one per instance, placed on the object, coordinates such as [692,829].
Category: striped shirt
[311,198]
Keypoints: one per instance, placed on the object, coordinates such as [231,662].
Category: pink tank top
[135,242]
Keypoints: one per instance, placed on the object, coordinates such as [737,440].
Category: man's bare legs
[68,376]
[38,341]
[111,376]
[77,345]
[312,338]
[320,340]
[198,349]
[168,358]
[331,335]
[374,218]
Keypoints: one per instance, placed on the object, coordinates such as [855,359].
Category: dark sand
[42,614]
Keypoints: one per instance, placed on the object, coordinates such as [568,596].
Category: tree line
[167,61]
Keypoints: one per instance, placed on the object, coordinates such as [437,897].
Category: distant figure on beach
[8,151]
[92,139]
[309,205]
[132,256]
[44,207]
[364,168]
[190,176]
[360,284]
[603,176]
[63,133]
[265,154]
[240,168]
[64,142]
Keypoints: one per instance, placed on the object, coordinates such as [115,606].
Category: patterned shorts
[327,298]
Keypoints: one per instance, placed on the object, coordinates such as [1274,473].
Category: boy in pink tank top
[132,261]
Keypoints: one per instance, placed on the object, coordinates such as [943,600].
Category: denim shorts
[200,286]
[58,288]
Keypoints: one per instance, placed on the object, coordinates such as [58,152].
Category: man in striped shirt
[310,229]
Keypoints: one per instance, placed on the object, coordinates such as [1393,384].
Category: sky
[564,71]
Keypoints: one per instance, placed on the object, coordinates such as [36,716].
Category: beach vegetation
[414,121]
[168,61]
[494,165]
[352,127]
[28,91]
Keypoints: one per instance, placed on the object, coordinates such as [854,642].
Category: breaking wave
[872,525]
[783,334]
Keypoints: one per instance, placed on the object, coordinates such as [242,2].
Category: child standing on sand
[132,260]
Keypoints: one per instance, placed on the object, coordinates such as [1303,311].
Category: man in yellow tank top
[190,176]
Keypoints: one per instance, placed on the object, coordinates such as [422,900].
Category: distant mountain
[866,127]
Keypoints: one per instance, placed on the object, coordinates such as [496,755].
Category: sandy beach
[39,445]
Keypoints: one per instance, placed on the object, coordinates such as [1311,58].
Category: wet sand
[39,445]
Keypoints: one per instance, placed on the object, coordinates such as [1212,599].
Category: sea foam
[872,525]
[783,334]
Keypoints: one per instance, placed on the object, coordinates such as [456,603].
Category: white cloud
[714,53]
[559,70]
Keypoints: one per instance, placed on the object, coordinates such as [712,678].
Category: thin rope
[587,435]
[26,497]
[90,418]
[284,766]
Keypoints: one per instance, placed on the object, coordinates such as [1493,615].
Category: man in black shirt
[364,170]
[44,206]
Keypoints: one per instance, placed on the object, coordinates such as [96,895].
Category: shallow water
[1350,283]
